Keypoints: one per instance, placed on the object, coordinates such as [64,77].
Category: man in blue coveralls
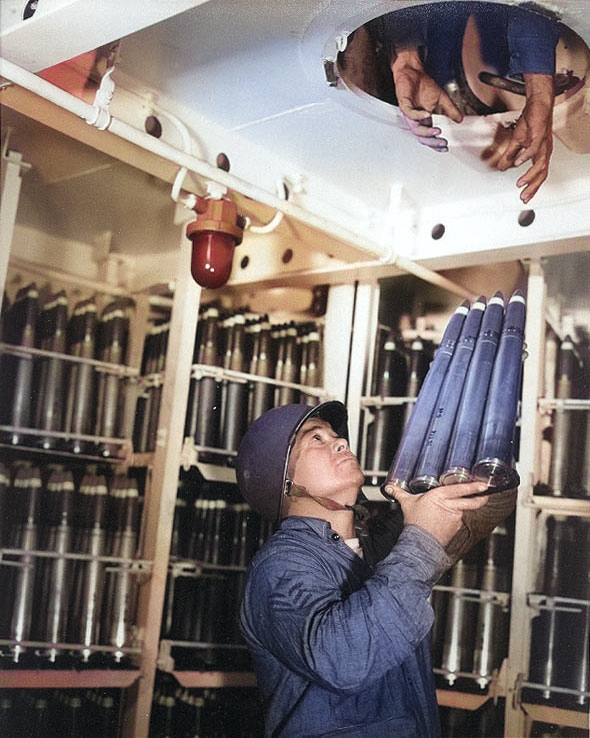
[337,616]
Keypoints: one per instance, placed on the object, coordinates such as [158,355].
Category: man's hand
[531,138]
[426,134]
[440,511]
[419,96]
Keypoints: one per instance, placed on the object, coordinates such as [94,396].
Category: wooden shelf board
[67,679]
[214,679]
[462,700]
[556,715]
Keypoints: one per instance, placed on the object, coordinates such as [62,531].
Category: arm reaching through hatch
[530,139]
[419,96]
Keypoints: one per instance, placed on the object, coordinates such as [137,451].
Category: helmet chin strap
[360,512]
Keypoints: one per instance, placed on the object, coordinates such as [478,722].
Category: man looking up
[336,617]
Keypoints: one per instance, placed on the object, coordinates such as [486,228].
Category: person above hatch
[434,52]
[336,609]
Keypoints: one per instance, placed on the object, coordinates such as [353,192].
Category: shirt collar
[296,522]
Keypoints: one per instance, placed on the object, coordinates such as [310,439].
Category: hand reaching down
[530,139]
[418,97]
[426,133]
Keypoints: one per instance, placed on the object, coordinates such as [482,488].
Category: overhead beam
[63,29]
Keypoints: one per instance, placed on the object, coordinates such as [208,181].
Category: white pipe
[269,227]
[98,116]
[104,121]
[188,201]
[276,219]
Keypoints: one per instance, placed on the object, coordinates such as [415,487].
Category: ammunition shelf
[465,699]
[220,374]
[561,505]
[207,677]
[101,366]
[229,679]
[132,566]
[54,675]
[460,700]
[555,715]
[189,568]
[67,678]
[378,401]
[29,434]
[532,698]
[214,679]
[138,460]
[570,403]
[215,469]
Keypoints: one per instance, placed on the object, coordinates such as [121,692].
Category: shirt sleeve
[402,29]
[343,640]
[532,38]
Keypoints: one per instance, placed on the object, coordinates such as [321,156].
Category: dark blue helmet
[263,455]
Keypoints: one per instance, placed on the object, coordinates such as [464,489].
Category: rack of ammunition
[64,379]
[214,537]
[151,385]
[566,409]
[69,566]
[471,604]
[559,668]
[398,372]
[59,713]
[178,712]
[243,366]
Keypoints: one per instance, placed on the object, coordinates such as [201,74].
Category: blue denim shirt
[341,648]
[513,39]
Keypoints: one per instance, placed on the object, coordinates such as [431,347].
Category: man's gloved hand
[479,523]
[440,511]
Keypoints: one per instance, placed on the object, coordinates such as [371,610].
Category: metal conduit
[103,120]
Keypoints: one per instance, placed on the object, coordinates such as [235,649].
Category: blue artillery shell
[494,456]
[436,443]
[461,452]
[408,450]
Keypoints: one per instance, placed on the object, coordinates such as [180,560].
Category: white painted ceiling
[246,77]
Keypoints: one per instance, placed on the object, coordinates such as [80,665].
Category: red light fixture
[215,233]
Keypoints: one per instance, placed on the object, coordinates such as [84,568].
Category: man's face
[322,462]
